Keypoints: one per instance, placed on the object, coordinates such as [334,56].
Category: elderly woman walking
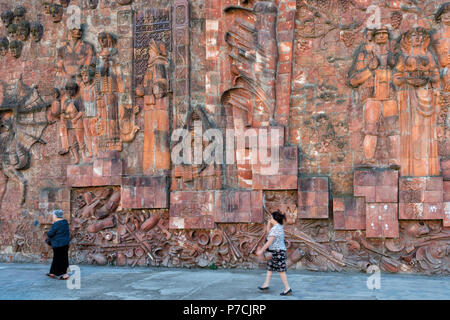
[59,237]
[277,248]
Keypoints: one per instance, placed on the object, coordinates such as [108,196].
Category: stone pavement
[28,281]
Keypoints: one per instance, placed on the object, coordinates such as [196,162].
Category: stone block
[349,213]
[233,206]
[381,220]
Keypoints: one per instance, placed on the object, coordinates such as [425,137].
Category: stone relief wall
[357,91]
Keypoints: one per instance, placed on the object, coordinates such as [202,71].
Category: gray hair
[58,213]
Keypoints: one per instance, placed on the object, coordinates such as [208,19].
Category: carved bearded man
[371,73]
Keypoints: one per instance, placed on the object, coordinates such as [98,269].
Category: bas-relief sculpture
[394,85]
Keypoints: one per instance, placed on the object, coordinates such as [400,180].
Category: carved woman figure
[87,91]
[417,77]
[109,88]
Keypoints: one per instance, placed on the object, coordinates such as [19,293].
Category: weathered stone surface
[90,117]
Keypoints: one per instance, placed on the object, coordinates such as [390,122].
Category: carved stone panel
[149,24]
[238,206]
[181,59]
[381,220]
[192,210]
[313,198]
[421,198]
[349,213]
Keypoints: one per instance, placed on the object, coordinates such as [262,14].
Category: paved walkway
[28,281]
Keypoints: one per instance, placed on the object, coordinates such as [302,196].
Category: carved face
[7,17]
[381,37]
[12,31]
[19,14]
[36,32]
[159,90]
[71,89]
[4,46]
[76,33]
[103,40]
[416,39]
[445,18]
[15,48]
[46,5]
[56,11]
[87,75]
[93,4]
[23,31]
[64,3]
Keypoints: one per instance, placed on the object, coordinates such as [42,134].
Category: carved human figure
[15,47]
[417,77]
[109,90]
[4,46]
[7,17]
[74,54]
[12,156]
[371,72]
[156,83]
[73,116]
[54,111]
[156,109]
[22,123]
[87,92]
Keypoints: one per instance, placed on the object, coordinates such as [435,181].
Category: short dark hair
[278,217]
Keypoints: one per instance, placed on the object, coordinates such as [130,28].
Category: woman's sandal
[263,288]
[51,275]
[287,293]
[64,278]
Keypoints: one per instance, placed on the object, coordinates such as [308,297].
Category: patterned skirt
[278,261]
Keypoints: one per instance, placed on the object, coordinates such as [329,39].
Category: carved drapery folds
[253,59]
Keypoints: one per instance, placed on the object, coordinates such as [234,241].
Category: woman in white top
[276,246]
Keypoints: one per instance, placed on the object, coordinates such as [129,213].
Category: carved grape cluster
[396,19]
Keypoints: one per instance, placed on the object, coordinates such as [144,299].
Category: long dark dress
[59,238]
